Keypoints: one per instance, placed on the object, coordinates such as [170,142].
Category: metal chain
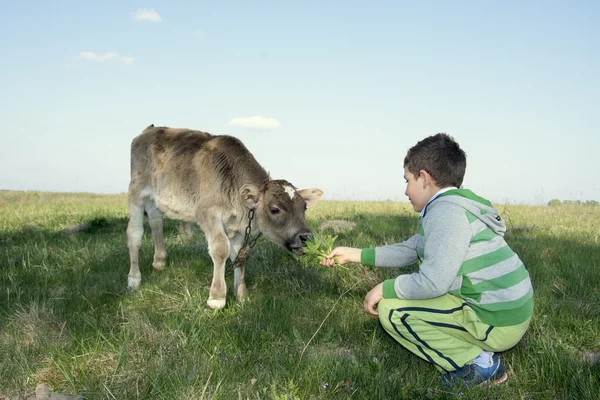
[246,247]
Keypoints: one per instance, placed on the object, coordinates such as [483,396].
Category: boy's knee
[384,307]
[391,313]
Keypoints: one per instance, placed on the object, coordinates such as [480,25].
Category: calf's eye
[275,211]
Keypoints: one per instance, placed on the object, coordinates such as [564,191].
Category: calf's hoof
[159,265]
[133,282]
[216,304]
[241,293]
[185,237]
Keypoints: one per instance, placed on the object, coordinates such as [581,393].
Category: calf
[214,181]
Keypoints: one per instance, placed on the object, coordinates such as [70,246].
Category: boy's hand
[372,298]
[343,255]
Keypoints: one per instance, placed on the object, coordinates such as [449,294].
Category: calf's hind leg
[135,231]
[185,231]
[155,220]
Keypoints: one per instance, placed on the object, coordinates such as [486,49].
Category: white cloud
[256,122]
[91,56]
[144,14]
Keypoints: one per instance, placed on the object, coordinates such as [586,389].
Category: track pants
[445,330]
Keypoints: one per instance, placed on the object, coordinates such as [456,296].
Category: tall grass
[67,319]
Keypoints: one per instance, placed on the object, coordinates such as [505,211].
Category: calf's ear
[311,196]
[250,194]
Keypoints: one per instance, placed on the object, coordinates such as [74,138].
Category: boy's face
[418,190]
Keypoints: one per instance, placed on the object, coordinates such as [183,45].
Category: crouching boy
[472,296]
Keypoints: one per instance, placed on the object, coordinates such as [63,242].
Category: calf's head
[280,209]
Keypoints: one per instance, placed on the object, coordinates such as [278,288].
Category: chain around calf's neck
[248,244]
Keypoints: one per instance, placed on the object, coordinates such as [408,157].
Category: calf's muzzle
[299,242]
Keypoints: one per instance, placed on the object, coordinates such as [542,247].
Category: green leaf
[318,248]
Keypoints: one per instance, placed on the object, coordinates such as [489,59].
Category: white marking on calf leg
[135,231]
[290,191]
[215,304]
[156,224]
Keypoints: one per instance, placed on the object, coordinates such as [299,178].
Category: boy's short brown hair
[441,157]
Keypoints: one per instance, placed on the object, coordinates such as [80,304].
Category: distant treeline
[558,203]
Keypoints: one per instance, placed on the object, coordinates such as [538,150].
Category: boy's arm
[392,256]
[447,239]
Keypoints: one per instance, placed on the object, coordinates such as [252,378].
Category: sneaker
[474,375]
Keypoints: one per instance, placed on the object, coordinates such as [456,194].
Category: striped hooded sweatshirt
[461,249]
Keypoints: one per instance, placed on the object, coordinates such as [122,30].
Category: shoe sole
[495,382]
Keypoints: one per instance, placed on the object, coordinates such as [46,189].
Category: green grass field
[68,320]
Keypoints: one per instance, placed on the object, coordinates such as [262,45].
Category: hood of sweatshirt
[478,206]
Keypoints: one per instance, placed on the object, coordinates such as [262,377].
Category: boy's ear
[427,179]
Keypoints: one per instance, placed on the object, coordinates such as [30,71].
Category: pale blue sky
[352,86]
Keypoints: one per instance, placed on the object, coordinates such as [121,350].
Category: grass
[67,319]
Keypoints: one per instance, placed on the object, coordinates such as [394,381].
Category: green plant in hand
[318,248]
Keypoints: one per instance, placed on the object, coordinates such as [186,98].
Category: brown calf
[214,181]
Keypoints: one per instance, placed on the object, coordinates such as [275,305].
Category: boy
[472,295]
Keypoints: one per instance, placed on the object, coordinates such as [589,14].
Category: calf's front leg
[239,284]
[218,249]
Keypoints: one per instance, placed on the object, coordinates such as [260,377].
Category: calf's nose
[304,236]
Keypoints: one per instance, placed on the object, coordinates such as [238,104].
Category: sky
[327,94]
